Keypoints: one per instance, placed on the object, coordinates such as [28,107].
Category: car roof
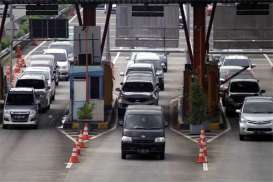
[140,65]
[147,55]
[48,62]
[139,78]
[41,56]
[53,50]
[37,69]
[236,57]
[60,43]
[144,109]
[259,98]
[21,89]
[32,76]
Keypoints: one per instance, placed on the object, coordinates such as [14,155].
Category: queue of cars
[142,117]
[35,87]
[242,94]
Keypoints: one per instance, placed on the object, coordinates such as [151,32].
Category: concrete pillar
[199,25]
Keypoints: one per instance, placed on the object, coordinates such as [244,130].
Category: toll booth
[95,91]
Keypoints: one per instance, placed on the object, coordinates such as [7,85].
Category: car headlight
[126,139]
[160,139]
[6,113]
[243,120]
[32,112]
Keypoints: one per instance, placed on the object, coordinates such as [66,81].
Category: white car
[256,116]
[48,75]
[68,46]
[62,61]
[236,60]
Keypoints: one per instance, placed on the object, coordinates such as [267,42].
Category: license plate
[144,151]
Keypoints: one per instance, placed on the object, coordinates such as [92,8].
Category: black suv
[136,89]
[143,131]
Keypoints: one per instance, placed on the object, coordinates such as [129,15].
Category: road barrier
[203,150]
[74,158]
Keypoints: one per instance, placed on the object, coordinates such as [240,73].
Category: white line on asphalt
[42,43]
[205,167]
[69,165]
[182,134]
[67,135]
[268,60]
[116,58]
[103,133]
[225,131]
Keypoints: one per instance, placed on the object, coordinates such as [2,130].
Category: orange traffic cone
[78,148]
[74,156]
[201,157]
[85,135]
[81,142]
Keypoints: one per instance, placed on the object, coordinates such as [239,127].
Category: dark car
[143,131]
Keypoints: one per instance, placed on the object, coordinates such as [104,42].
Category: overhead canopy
[125,1]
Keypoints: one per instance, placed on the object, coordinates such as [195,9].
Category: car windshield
[236,62]
[258,107]
[137,87]
[36,84]
[68,48]
[46,74]
[137,70]
[249,87]
[60,57]
[20,99]
[143,121]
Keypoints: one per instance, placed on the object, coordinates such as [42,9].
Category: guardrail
[24,40]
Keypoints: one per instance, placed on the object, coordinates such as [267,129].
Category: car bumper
[29,121]
[142,148]
[63,74]
[254,129]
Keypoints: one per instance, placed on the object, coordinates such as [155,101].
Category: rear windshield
[20,99]
[236,62]
[68,48]
[60,57]
[143,121]
[157,64]
[137,87]
[138,70]
[46,74]
[36,84]
[248,87]
[258,107]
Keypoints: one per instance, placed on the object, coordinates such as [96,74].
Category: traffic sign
[48,28]
[42,9]
[87,41]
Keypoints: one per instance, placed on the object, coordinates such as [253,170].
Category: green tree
[86,111]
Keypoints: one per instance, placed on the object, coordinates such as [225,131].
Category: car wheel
[57,83]
[162,87]
[53,98]
[123,155]
[242,137]
[162,156]
[35,126]
[229,111]
[48,107]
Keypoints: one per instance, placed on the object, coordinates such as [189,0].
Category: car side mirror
[238,111]
[48,87]
[121,74]
[121,83]
[262,91]
[253,65]
[118,89]
[157,74]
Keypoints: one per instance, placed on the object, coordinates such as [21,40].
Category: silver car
[256,116]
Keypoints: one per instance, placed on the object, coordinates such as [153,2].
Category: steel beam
[108,15]
[3,21]
[210,26]
[78,14]
[186,31]
[89,15]
[199,25]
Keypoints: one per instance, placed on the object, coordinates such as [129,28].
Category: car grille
[137,99]
[259,129]
[143,141]
[19,117]
[259,122]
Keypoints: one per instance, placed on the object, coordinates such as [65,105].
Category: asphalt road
[40,155]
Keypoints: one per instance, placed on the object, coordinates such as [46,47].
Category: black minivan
[143,131]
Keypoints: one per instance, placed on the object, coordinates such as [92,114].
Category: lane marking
[69,165]
[67,135]
[42,43]
[116,58]
[205,167]
[268,60]
[182,134]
